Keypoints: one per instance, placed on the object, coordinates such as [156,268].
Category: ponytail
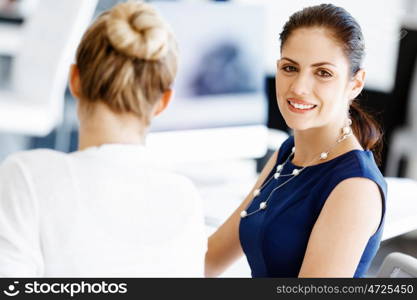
[367,130]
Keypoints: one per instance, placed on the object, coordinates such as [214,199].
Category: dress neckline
[350,152]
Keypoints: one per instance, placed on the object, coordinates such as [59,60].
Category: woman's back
[108,209]
[104,211]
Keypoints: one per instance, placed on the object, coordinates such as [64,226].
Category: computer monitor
[219,107]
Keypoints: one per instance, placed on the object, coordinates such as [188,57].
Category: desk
[401,216]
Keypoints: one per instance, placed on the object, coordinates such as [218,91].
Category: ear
[163,102]
[74,81]
[357,84]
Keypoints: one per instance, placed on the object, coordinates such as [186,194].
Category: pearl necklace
[346,132]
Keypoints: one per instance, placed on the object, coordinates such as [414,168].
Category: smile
[296,107]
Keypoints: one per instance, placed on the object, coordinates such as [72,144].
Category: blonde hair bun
[135,29]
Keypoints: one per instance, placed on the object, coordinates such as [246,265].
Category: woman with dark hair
[318,207]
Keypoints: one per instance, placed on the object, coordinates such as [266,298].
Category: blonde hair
[127,59]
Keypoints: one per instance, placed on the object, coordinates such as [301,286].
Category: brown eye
[289,69]
[325,74]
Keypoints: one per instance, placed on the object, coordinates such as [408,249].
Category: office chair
[398,265]
[34,103]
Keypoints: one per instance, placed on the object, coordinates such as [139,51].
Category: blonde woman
[106,209]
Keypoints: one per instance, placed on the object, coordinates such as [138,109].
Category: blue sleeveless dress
[275,240]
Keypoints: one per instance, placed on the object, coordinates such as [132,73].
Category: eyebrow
[313,65]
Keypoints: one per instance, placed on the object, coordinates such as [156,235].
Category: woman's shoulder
[355,165]
[37,158]
[27,167]
[360,163]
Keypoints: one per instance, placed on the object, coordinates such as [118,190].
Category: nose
[301,84]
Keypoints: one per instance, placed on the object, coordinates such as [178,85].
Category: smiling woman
[305,217]
[313,71]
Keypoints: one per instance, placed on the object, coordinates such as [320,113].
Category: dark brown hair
[347,32]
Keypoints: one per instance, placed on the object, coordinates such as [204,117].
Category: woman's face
[312,80]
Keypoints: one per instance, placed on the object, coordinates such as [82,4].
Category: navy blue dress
[275,240]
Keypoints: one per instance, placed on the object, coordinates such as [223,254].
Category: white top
[107,211]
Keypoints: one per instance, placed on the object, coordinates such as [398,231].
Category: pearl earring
[347,129]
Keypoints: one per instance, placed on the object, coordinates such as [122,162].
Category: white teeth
[301,106]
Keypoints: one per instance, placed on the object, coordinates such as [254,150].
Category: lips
[297,107]
[298,101]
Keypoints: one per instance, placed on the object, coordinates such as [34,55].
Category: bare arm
[349,217]
[224,245]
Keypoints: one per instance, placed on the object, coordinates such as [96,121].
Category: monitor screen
[220,81]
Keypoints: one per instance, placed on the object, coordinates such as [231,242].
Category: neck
[310,143]
[103,126]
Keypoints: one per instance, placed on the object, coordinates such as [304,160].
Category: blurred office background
[224,118]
